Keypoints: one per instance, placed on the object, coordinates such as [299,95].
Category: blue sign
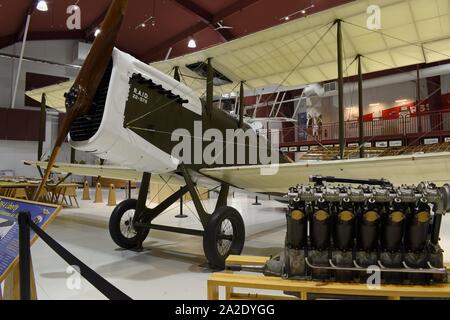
[41,214]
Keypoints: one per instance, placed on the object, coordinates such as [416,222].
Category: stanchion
[86,193]
[181,215]
[24,255]
[257,203]
[98,193]
[129,189]
[112,196]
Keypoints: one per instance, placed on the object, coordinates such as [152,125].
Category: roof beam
[172,41]
[192,7]
[201,25]
[204,16]
[89,31]
[234,8]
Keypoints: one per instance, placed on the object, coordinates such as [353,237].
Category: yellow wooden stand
[112,196]
[12,284]
[98,194]
[86,194]
[231,281]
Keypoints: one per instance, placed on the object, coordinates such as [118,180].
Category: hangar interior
[356,90]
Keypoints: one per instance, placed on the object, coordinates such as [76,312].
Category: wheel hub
[225,237]
[126,227]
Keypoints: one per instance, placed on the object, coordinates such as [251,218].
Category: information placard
[431,141]
[41,214]
[395,143]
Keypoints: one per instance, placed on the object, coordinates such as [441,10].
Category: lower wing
[111,172]
[410,169]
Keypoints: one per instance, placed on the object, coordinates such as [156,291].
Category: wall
[12,152]
[56,50]
[375,100]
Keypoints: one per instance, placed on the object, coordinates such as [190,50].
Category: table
[64,193]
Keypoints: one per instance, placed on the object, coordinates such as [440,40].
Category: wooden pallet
[303,289]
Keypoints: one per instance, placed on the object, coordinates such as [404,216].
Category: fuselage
[141,117]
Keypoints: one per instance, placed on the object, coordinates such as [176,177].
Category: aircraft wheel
[121,228]
[224,235]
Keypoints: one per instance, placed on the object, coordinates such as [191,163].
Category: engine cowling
[102,131]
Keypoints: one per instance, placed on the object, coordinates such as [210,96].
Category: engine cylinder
[297,227]
[369,228]
[392,228]
[417,227]
[344,227]
[321,226]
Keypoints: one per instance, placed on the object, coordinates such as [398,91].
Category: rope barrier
[25,224]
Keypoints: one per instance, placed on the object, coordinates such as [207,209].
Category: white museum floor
[172,266]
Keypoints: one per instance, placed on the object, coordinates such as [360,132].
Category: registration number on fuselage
[140,96]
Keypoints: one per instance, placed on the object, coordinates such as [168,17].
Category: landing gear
[121,226]
[224,230]
[224,235]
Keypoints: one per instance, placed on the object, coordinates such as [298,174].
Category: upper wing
[285,54]
[111,172]
[54,95]
[411,169]
[269,57]
[282,54]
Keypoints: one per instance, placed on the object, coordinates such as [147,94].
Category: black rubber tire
[114,226]
[211,236]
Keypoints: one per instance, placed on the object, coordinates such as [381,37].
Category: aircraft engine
[344,233]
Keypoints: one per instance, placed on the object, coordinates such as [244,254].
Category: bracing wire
[294,69]
[397,38]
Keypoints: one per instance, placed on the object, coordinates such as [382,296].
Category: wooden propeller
[79,98]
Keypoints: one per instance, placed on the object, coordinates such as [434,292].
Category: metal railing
[404,126]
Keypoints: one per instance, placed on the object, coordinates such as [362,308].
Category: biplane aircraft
[133,114]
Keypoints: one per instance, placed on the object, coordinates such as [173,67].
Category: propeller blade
[79,98]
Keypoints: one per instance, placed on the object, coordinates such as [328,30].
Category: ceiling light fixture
[143,24]
[42,6]
[192,43]
[302,11]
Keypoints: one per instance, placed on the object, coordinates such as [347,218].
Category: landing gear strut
[223,231]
